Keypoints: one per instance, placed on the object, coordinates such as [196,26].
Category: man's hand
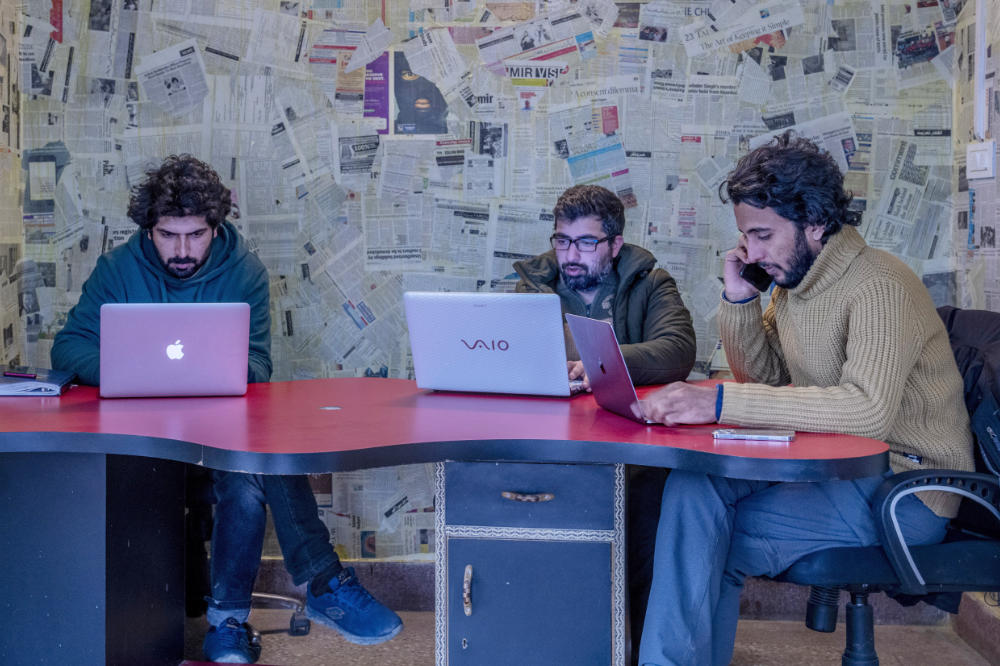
[737,289]
[576,371]
[680,402]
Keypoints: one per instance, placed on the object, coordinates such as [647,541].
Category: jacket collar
[544,269]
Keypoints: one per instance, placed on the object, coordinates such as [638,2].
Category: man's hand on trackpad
[576,371]
[680,402]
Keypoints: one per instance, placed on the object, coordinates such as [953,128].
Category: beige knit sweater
[865,352]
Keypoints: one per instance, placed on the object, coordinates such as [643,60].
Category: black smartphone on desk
[756,276]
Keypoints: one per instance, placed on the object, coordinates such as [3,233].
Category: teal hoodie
[133,273]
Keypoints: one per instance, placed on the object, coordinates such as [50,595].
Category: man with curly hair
[850,343]
[186,251]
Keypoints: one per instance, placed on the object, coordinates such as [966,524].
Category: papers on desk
[34,381]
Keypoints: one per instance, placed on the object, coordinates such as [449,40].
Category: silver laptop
[485,342]
[602,358]
[174,349]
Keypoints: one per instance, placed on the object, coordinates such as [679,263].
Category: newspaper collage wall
[376,147]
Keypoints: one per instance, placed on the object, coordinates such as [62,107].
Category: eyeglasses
[584,244]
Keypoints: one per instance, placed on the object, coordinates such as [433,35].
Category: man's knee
[681,483]
[238,488]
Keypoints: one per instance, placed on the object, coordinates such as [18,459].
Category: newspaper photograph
[420,106]
[174,78]
[660,20]
[704,36]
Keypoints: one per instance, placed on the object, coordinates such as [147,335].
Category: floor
[758,643]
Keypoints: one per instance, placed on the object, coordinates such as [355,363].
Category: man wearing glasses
[598,275]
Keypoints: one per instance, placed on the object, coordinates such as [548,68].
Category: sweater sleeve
[750,340]
[882,347]
[667,351]
[77,347]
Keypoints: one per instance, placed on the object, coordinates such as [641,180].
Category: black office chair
[969,557]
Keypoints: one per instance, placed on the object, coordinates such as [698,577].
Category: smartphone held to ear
[756,276]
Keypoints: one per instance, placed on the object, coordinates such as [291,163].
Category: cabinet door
[532,602]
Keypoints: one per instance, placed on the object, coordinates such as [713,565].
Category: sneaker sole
[230,659]
[351,638]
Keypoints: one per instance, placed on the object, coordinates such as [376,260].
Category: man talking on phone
[850,343]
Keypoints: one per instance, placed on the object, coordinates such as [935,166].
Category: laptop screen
[602,358]
[174,349]
[495,343]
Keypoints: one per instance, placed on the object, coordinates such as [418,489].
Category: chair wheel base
[299,625]
[821,611]
[860,621]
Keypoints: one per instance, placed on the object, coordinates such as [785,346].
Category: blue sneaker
[353,611]
[232,643]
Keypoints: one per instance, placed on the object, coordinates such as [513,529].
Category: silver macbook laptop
[602,358]
[174,349]
[492,343]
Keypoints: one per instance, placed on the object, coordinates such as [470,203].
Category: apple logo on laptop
[175,351]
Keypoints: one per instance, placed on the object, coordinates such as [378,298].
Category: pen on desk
[16,373]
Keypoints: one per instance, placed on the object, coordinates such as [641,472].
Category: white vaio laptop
[486,342]
[174,349]
[602,358]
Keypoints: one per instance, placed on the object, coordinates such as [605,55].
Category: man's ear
[616,245]
[815,232]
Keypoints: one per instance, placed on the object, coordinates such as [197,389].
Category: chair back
[975,341]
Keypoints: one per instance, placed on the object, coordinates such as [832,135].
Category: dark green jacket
[133,273]
[651,323]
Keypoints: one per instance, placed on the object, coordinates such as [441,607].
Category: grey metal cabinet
[530,564]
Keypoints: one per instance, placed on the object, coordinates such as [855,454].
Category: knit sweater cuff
[739,313]
[746,405]
[740,302]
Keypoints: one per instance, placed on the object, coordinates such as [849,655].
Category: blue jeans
[714,532]
[238,537]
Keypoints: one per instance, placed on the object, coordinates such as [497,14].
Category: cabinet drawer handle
[467,590]
[527,497]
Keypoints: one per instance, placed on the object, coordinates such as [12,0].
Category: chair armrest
[981,488]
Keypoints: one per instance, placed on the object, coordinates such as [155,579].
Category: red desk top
[338,424]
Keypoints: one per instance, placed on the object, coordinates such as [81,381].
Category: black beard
[802,261]
[185,272]
[586,281]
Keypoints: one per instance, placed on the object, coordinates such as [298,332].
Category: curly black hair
[585,200]
[796,179]
[183,185]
